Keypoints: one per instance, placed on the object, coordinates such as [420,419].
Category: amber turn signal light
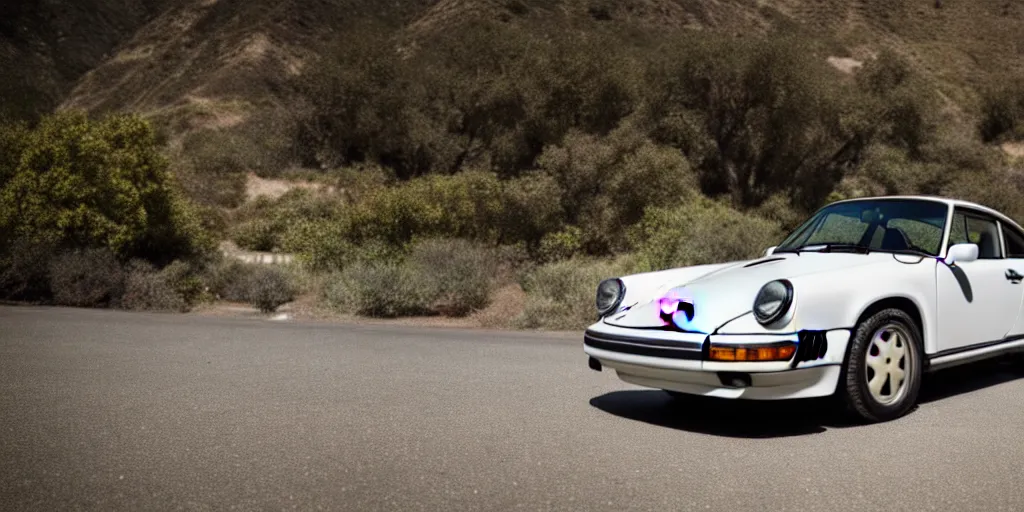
[752,352]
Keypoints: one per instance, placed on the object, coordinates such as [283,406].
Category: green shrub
[455,276]
[256,235]
[321,245]
[185,280]
[561,295]
[608,182]
[561,245]
[473,205]
[268,287]
[698,232]
[530,208]
[376,289]
[228,279]
[87,278]
[146,289]
[264,224]
[13,138]
[83,183]
[450,277]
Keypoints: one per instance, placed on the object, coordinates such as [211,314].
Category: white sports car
[858,301]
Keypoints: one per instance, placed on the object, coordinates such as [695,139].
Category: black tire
[854,381]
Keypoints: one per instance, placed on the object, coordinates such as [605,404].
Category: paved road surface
[114,411]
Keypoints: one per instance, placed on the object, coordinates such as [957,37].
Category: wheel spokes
[877,383]
[885,363]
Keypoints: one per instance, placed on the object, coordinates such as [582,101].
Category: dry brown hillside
[46,46]
[217,59]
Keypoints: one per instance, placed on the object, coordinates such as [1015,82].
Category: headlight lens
[609,295]
[773,301]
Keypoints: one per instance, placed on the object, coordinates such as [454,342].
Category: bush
[83,183]
[1002,111]
[473,205]
[376,289]
[450,277]
[321,245]
[561,295]
[228,280]
[608,182]
[25,270]
[268,287]
[13,138]
[149,290]
[561,245]
[264,224]
[256,235]
[185,280]
[87,278]
[456,277]
[700,231]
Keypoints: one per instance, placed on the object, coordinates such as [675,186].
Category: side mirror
[770,251]
[961,253]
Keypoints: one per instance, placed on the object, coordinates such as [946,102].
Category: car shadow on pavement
[771,419]
[968,379]
[721,417]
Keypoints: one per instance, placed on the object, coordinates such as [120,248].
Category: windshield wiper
[833,247]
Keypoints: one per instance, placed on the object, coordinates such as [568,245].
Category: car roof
[948,201]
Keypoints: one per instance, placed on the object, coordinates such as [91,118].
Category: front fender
[835,300]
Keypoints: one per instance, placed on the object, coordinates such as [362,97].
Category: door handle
[1013,276]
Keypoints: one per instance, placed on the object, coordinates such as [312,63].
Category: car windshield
[885,225]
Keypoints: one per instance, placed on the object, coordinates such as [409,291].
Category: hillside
[46,47]
[244,50]
[465,156]
[214,61]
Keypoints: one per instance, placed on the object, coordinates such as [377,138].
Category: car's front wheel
[882,373]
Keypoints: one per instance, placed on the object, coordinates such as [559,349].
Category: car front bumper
[678,361]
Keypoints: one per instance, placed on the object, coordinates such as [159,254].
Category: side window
[958,231]
[985,233]
[976,229]
[1014,242]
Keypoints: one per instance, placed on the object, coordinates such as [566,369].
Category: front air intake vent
[813,345]
[762,262]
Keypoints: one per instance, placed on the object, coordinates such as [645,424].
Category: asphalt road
[103,410]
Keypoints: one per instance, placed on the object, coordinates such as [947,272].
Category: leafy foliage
[146,289]
[269,287]
[560,295]
[456,276]
[698,232]
[450,277]
[87,278]
[85,184]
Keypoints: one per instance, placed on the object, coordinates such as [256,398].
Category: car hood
[728,293]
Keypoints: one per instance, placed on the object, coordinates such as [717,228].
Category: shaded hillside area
[46,46]
[428,156]
[245,50]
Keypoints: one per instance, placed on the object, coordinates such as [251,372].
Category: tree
[757,117]
[80,183]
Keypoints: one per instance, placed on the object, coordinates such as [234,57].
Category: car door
[977,302]
[1013,243]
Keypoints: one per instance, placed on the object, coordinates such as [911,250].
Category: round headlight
[773,301]
[609,295]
